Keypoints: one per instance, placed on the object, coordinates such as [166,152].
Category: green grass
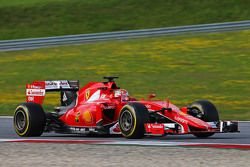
[39,18]
[213,66]
[6,3]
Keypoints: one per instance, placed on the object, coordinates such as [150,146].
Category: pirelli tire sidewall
[34,119]
[140,116]
[210,114]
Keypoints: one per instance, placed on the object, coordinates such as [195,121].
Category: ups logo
[77,117]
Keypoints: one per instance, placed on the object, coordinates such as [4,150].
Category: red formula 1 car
[104,108]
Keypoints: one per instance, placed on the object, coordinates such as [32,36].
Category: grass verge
[214,66]
[39,18]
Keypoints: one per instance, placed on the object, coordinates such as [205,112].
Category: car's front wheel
[131,120]
[206,111]
[29,119]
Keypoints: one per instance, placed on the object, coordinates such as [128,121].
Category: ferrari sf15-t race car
[104,108]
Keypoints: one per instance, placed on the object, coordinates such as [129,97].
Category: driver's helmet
[122,93]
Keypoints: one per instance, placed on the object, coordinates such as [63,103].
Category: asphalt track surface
[7,132]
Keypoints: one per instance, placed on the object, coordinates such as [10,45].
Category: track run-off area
[226,140]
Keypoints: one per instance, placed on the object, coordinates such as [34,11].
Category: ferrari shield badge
[87,94]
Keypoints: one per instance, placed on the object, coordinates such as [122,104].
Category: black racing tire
[132,118]
[208,113]
[29,119]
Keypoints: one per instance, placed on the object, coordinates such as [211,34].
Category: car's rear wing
[35,92]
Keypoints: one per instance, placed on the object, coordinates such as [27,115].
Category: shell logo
[87,94]
[182,113]
[87,117]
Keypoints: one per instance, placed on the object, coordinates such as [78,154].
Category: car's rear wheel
[131,120]
[29,119]
[206,111]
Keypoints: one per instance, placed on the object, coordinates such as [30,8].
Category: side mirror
[151,96]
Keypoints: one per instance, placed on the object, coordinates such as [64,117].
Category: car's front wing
[159,129]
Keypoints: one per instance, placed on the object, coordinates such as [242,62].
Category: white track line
[132,143]
[6,117]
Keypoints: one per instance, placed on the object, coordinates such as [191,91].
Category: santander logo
[156,126]
[35,92]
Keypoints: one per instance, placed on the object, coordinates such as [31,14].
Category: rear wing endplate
[35,92]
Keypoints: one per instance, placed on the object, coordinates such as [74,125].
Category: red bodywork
[98,104]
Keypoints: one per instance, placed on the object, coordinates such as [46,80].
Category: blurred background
[182,68]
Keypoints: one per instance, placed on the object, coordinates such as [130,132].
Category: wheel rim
[198,113]
[20,120]
[126,120]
